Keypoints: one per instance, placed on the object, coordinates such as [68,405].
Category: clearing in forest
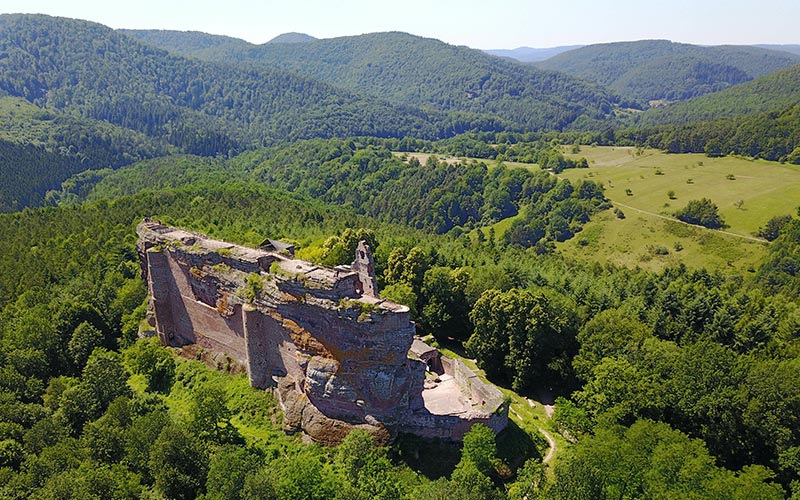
[647,185]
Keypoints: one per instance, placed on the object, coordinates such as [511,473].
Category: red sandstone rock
[337,355]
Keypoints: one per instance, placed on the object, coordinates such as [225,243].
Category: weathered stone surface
[337,355]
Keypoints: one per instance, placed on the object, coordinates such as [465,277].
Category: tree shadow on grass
[515,446]
[433,458]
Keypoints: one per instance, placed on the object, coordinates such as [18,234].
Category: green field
[765,189]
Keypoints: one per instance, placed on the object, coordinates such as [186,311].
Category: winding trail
[552,450]
[548,409]
[751,238]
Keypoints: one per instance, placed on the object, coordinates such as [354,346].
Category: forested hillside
[677,383]
[649,70]
[43,147]
[436,196]
[414,71]
[202,108]
[773,135]
[774,92]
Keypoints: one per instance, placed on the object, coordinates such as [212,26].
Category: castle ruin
[338,356]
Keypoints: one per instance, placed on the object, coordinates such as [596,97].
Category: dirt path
[751,238]
[548,409]
[552,450]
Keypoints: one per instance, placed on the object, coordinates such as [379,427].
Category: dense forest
[199,107]
[414,71]
[773,92]
[654,70]
[773,135]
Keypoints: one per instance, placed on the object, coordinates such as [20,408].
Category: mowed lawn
[765,189]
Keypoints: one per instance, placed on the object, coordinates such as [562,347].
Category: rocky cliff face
[336,354]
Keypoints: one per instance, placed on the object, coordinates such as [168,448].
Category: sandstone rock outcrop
[336,354]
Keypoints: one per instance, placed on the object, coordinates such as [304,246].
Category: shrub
[701,212]
[773,227]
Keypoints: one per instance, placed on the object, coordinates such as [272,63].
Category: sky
[496,24]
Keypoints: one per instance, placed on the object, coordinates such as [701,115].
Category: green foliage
[781,268]
[105,377]
[210,416]
[339,250]
[84,339]
[609,333]
[228,472]
[772,134]
[147,357]
[401,293]
[252,287]
[773,92]
[198,107]
[301,477]
[651,460]
[772,229]
[571,421]
[407,268]
[424,72]
[365,470]
[531,478]
[178,463]
[650,70]
[702,212]
[479,448]
[469,483]
[709,354]
[521,334]
[445,305]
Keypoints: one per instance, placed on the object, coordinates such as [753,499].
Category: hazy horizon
[505,25]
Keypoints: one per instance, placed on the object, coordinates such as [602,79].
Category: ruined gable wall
[181,318]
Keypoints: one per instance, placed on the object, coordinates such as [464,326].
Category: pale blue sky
[479,24]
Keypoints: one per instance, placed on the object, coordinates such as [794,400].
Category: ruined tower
[364,265]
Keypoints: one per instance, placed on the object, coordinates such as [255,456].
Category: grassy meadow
[747,192]
[423,157]
[765,188]
[648,186]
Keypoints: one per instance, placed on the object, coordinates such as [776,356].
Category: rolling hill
[94,72]
[412,71]
[292,38]
[774,92]
[649,70]
[793,48]
[40,148]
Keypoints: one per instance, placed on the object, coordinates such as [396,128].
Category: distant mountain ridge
[531,54]
[292,38]
[409,70]
[77,95]
[203,108]
[649,70]
[793,48]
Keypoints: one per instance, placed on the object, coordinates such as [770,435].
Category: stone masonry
[335,353]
